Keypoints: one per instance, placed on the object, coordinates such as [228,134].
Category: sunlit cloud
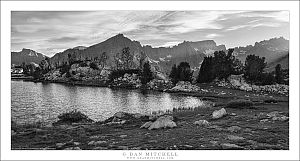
[210,36]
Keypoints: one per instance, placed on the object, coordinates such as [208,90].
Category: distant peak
[80,47]
[24,49]
[119,35]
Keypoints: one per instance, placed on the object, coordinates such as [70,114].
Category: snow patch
[162,59]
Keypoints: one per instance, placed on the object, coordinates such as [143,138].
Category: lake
[32,102]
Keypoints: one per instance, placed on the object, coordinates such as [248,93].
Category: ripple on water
[32,102]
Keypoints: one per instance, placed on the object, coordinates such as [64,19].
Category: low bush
[239,103]
[94,66]
[73,117]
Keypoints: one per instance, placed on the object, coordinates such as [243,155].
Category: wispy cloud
[210,36]
[51,31]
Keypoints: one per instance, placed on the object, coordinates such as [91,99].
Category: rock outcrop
[127,81]
[238,82]
[183,86]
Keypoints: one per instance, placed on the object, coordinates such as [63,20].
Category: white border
[7,7]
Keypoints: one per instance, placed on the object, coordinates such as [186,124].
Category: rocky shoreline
[226,124]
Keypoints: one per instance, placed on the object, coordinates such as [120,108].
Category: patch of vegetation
[239,103]
[220,66]
[182,72]
[94,66]
[73,117]
[146,74]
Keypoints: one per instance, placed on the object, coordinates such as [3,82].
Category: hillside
[283,61]
[271,49]
[26,56]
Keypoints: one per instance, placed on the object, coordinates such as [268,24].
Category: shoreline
[242,128]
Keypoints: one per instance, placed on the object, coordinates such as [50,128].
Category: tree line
[221,65]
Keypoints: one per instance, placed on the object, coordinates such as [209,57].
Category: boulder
[146,125]
[165,121]
[202,123]
[235,138]
[120,115]
[219,113]
[234,129]
[231,146]
[13,133]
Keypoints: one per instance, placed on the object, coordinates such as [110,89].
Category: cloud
[210,36]
[63,39]
[253,25]
[282,16]
[59,30]
[170,44]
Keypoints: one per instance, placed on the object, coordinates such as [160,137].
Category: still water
[32,102]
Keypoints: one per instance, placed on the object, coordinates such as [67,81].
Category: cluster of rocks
[159,84]
[273,116]
[183,86]
[165,121]
[78,73]
[54,76]
[70,145]
[238,82]
[127,81]
[84,73]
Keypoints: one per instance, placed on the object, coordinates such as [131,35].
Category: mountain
[271,49]
[111,47]
[283,61]
[162,58]
[191,52]
[80,47]
[27,56]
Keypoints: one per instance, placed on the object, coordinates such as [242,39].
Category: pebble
[100,148]
[72,148]
[59,145]
[76,143]
[202,123]
[123,136]
[234,129]
[91,142]
[230,146]
[123,147]
[99,143]
[235,138]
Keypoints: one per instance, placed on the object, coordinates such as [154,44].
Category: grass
[239,103]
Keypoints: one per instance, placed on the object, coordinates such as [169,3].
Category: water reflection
[31,102]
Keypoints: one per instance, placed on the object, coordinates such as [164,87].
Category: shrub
[239,103]
[83,64]
[64,68]
[146,74]
[94,66]
[73,116]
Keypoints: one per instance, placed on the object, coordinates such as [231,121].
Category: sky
[50,32]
